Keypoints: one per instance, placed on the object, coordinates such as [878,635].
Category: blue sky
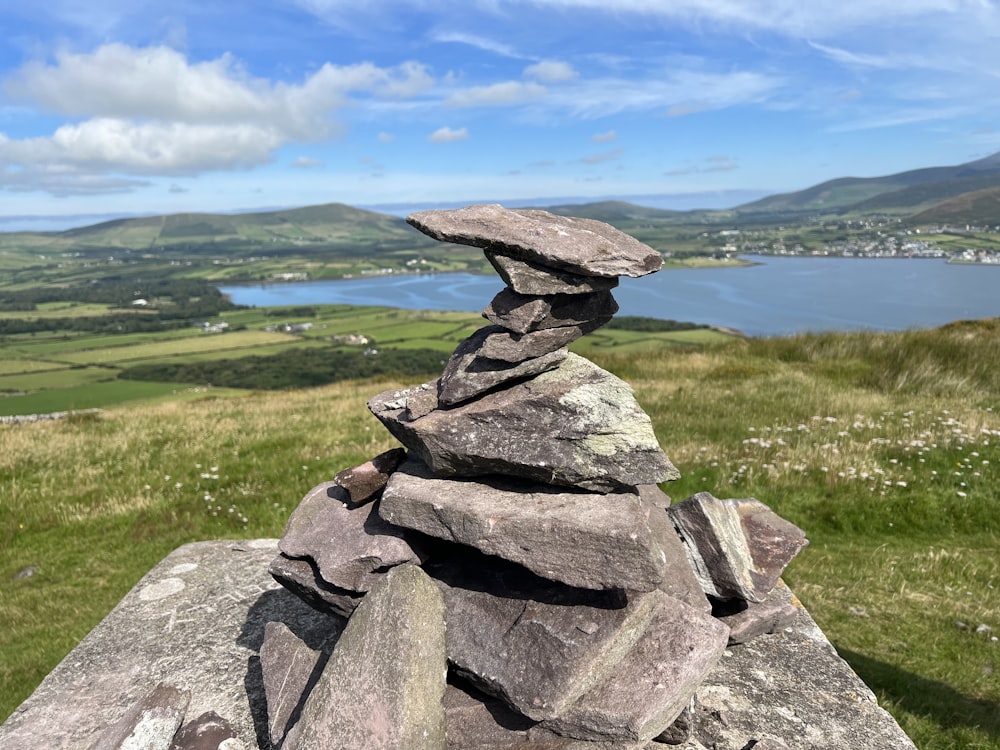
[118,108]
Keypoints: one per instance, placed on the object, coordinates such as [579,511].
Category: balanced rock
[580,538]
[738,548]
[470,373]
[576,425]
[525,277]
[582,246]
[524,313]
[383,685]
[364,482]
[351,548]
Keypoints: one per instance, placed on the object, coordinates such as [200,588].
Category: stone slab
[197,620]
[583,246]
[595,541]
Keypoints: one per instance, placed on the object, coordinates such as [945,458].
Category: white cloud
[813,19]
[479,42]
[497,94]
[607,137]
[447,135]
[384,137]
[147,111]
[306,162]
[551,71]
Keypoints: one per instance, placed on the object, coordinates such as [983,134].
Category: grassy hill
[885,448]
[905,192]
[978,207]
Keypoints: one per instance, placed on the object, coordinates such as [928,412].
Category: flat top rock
[583,246]
[203,636]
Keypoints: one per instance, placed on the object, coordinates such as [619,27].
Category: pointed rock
[738,548]
[536,644]
[580,538]
[351,548]
[583,246]
[288,666]
[530,278]
[364,482]
[302,578]
[150,724]
[679,580]
[655,681]
[496,343]
[524,313]
[383,686]
[576,426]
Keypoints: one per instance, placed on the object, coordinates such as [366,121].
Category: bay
[777,296]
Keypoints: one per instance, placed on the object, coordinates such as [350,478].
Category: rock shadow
[317,630]
[921,696]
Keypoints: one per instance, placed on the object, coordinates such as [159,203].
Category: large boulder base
[790,686]
[583,246]
[583,539]
[576,425]
[382,687]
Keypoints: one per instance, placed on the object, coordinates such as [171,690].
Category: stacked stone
[575,603]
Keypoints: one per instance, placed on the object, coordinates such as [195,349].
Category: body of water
[780,295]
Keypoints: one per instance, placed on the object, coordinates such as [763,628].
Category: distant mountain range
[964,194]
[925,193]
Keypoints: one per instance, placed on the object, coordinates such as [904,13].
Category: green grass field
[884,448]
[35,364]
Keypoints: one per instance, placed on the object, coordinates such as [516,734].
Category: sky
[113,108]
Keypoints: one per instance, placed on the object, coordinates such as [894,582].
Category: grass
[885,448]
[58,360]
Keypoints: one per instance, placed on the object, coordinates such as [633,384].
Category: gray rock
[351,548]
[524,313]
[679,580]
[651,686]
[208,732]
[576,426]
[468,374]
[149,724]
[748,620]
[288,667]
[531,278]
[738,548]
[583,246]
[496,343]
[583,539]
[384,683]
[302,578]
[536,644]
[364,482]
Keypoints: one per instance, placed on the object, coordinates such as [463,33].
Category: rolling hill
[904,193]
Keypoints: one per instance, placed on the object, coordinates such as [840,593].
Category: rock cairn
[514,577]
